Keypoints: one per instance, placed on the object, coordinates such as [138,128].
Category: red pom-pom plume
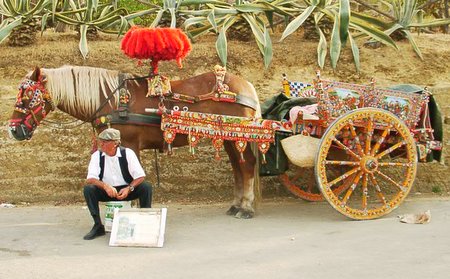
[156,44]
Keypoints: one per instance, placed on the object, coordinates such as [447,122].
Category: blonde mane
[79,89]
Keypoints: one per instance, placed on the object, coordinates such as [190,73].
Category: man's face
[108,146]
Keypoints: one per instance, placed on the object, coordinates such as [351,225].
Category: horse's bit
[38,95]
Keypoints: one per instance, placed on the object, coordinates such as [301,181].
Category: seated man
[114,174]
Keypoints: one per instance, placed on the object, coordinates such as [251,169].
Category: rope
[157,168]
[59,125]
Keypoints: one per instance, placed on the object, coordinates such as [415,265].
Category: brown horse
[88,93]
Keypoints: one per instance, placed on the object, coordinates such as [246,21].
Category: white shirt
[112,174]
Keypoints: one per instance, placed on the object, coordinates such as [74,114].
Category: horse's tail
[256,179]
[254,146]
[256,98]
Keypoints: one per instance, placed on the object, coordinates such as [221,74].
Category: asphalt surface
[288,238]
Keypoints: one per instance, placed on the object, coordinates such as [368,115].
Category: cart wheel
[301,183]
[381,166]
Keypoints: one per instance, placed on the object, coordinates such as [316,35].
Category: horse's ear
[36,74]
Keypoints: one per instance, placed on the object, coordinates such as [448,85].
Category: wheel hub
[369,164]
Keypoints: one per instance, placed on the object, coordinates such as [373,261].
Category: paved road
[288,239]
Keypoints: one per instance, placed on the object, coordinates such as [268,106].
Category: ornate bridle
[38,95]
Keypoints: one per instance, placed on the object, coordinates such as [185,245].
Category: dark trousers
[93,195]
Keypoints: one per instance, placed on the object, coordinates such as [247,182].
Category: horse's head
[32,105]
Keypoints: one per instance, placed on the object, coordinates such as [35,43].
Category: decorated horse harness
[196,125]
[38,96]
[159,87]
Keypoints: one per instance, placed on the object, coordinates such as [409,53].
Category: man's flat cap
[109,134]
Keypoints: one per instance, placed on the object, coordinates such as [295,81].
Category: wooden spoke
[390,149]
[310,188]
[392,164]
[377,189]
[369,136]
[297,176]
[380,140]
[344,176]
[402,188]
[364,193]
[356,138]
[351,189]
[340,144]
[347,163]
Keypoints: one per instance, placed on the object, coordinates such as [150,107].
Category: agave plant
[170,8]
[218,17]
[407,16]
[345,27]
[107,18]
[21,20]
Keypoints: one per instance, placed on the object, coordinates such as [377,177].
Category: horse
[92,95]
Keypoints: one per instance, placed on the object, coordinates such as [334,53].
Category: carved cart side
[370,142]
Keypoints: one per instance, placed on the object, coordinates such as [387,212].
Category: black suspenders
[123,166]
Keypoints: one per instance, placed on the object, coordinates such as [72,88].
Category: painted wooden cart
[366,142]
[371,140]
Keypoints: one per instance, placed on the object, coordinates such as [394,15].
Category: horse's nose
[19,132]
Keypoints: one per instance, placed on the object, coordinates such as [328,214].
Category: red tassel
[156,44]
[242,160]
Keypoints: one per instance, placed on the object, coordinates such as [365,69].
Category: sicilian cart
[363,142]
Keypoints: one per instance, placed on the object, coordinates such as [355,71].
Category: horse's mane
[79,89]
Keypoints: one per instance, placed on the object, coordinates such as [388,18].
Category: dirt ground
[52,166]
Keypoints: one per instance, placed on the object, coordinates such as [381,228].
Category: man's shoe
[97,230]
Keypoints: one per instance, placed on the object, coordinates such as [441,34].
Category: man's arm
[133,184]
[110,190]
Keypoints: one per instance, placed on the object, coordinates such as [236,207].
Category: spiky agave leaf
[355,52]
[221,46]
[344,20]
[83,45]
[297,22]
[335,44]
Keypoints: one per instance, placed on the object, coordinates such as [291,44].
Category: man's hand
[111,191]
[123,193]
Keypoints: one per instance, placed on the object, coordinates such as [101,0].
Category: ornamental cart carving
[370,142]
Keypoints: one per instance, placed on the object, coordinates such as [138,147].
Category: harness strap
[132,118]
[32,114]
[124,96]
[123,166]
[247,102]
[239,99]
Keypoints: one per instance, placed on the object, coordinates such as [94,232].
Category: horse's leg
[242,206]
[238,182]
[248,177]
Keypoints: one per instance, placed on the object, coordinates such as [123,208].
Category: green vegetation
[20,20]
[436,189]
[336,24]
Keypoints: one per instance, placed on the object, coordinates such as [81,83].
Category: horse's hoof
[244,214]
[233,210]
